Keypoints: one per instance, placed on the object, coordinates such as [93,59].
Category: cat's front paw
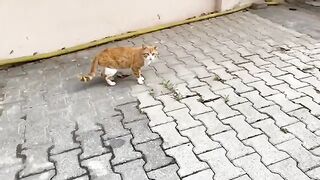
[110,82]
[140,80]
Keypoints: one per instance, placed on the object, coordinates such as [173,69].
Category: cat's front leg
[137,74]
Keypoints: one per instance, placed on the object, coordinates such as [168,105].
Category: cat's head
[150,53]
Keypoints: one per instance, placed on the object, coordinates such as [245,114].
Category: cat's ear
[155,48]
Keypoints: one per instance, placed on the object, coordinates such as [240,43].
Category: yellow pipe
[119,37]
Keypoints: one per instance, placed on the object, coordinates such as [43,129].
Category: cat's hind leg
[109,75]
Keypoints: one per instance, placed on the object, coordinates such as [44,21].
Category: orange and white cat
[119,58]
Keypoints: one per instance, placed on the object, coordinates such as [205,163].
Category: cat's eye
[153,54]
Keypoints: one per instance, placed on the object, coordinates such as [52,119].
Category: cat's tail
[92,73]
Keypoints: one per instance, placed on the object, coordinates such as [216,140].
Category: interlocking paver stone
[238,85]
[67,165]
[310,104]
[255,169]
[195,106]
[203,175]
[309,140]
[200,139]
[230,96]
[293,82]
[257,100]
[186,159]
[154,155]
[252,68]
[314,173]
[212,123]
[100,168]
[122,149]
[165,173]
[170,135]
[274,133]
[286,105]
[251,114]
[170,103]
[130,112]
[132,170]
[205,93]
[310,91]
[235,148]
[275,71]
[263,88]
[184,119]
[268,78]
[114,128]
[243,129]
[221,165]
[305,159]
[156,115]
[91,144]
[281,118]
[141,131]
[312,81]
[222,109]
[288,169]
[296,72]
[306,117]
[268,152]
[146,100]
[288,91]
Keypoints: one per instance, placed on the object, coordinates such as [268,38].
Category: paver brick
[130,112]
[122,149]
[310,91]
[307,118]
[235,148]
[288,91]
[252,68]
[286,105]
[222,109]
[212,123]
[36,160]
[195,106]
[186,160]
[192,81]
[141,131]
[223,74]
[146,100]
[132,170]
[257,60]
[281,118]
[269,153]
[310,104]
[170,135]
[312,81]
[200,139]
[184,119]
[99,167]
[67,165]
[170,103]
[309,140]
[215,84]
[221,165]
[293,82]
[230,96]
[91,144]
[314,173]
[165,173]
[201,72]
[268,78]
[305,159]
[203,175]
[113,128]
[255,169]
[231,67]
[156,115]
[274,133]
[243,129]
[275,71]
[183,90]
[210,65]
[288,169]
[296,72]
[244,177]
[236,58]
[153,154]
[300,65]
[238,85]
[251,114]
[278,62]
[257,100]
[205,93]
[263,88]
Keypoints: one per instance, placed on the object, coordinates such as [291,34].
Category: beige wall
[28,26]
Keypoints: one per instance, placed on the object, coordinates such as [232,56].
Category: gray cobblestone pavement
[234,97]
